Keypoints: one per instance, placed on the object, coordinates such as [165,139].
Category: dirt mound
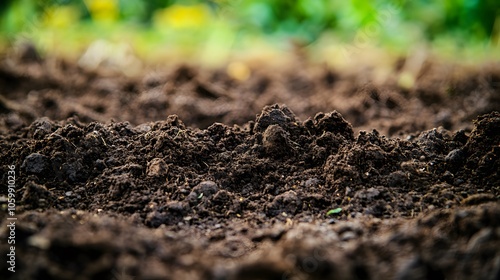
[272,175]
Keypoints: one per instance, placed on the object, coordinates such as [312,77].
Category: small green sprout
[200,196]
[334,211]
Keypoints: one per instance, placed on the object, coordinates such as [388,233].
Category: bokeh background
[212,31]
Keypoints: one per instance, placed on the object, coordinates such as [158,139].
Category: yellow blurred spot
[179,16]
[238,71]
[60,17]
[103,10]
[406,80]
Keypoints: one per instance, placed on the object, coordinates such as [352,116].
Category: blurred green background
[212,29]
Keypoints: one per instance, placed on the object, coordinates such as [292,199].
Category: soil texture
[303,173]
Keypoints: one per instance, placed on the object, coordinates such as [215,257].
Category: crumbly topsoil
[234,187]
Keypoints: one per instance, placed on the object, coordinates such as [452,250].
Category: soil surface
[186,173]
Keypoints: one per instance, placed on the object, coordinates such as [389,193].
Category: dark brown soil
[111,185]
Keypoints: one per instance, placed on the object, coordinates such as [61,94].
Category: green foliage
[16,15]
[471,19]
[307,20]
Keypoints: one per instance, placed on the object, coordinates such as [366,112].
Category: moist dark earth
[302,172]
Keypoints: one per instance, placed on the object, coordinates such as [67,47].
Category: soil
[186,173]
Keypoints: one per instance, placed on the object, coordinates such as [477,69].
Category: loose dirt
[350,179]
